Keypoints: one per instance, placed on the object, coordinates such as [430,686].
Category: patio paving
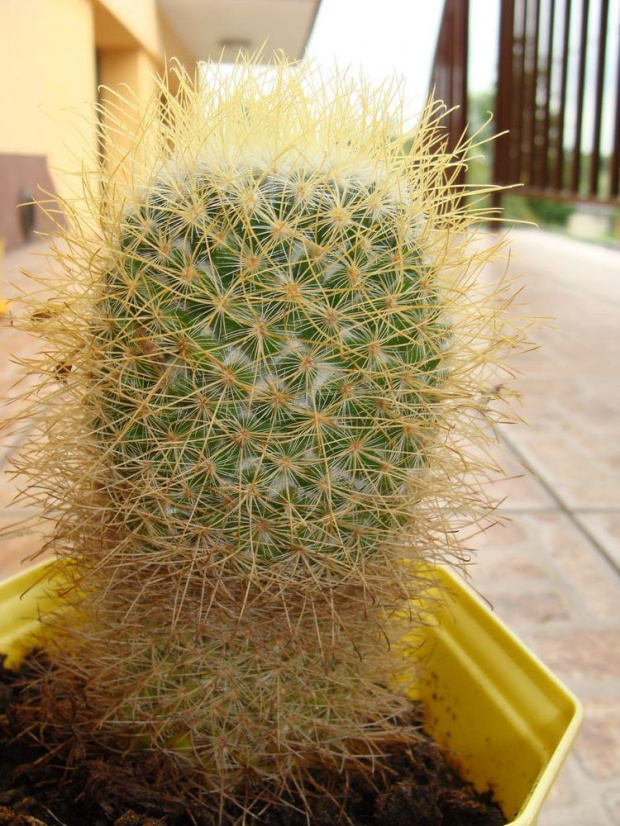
[552,571]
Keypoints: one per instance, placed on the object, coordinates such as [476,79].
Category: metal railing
[449,74]
[558,94]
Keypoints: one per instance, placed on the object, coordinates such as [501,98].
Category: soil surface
[424,790]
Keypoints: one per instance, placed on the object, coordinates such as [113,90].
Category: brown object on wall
[23,178]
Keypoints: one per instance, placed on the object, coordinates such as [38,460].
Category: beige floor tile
[605,528]
[538,607]
[611,800]
[581,478]
[598,748]
[547,553]
[20,539]
[12,491]
[578,655]
[584,572]
[573,800]
[514,484]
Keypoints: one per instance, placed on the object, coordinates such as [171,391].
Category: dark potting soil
[422,789]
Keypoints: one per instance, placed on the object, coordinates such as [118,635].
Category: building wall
[47,66]
[53,55]
[142,22]
[119,69]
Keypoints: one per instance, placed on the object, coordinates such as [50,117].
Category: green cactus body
[271,353]
[262,392]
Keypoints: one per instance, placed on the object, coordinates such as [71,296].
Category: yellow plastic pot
[506,721]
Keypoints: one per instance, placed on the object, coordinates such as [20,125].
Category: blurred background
[546,69]
[545,76]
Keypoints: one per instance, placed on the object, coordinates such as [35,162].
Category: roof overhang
[220,29]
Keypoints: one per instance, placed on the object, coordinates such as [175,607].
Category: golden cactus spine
[260,398]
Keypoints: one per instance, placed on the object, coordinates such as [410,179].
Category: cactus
[255,425]
[270,354]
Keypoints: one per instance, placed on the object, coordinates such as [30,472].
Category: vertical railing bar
[503,98]
[598,112]
[454,92]
[558,177]
[446,68]
[435,73]
[439,71]
[451,31]
[614,166]
[449,73]
[544,172]
[583,49]
[533,108]
[522,105]
[447,62]
[464,74]
[518,103]
[461,26]
[526,130]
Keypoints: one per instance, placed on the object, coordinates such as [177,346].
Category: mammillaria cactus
[255,426]
[269,359]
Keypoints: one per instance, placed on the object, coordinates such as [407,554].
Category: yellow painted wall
[141,20]
[123,70]
[47,66]
[48,57]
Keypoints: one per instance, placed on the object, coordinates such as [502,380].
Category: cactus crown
[259,397]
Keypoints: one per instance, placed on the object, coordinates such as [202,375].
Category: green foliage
[542,211]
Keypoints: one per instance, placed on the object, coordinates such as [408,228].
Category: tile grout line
[571,514]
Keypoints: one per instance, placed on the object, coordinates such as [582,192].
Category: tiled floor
[18,538]
[553,571]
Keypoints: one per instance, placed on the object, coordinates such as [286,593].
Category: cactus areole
[263,383]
